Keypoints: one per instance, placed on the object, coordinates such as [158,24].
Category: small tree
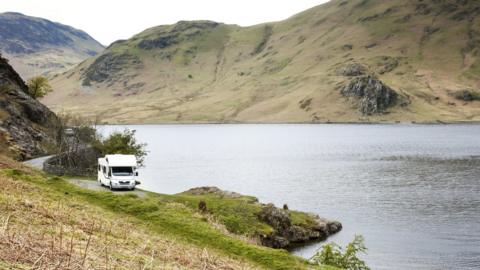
[333,255]
[122,143]
[38,87]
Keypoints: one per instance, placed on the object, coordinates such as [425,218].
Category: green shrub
[38,87]
[476,95]
[466,95]
[333,255]
[121,143]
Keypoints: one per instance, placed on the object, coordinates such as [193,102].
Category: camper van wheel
[111,188]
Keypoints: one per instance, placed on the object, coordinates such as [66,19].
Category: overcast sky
[110,20]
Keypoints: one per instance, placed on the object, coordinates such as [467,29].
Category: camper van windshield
[122,171]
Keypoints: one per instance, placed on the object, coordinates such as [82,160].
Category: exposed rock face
[353,69]
[25,124]
[108,66]
[374,95]
[286,233]
[466,95]
[183,30]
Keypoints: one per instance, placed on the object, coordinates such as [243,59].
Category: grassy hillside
[47,223]
[423,53]
[42,229]
[36,46]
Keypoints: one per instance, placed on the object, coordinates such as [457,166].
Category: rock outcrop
[466,95]
[353,69]
[108,66]
[374,95]
[26,125]
[182,31]
[285,227]
[286,233]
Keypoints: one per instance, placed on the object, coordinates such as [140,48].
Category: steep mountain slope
[37,46]
[359,60]
[26,126]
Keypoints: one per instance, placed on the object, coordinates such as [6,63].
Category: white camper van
[118,171]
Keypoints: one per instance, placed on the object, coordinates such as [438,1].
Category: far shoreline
[412,123]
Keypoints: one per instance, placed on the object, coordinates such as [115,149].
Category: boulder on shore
[266,224]
[286,233]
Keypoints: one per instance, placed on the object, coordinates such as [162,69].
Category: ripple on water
[411,190]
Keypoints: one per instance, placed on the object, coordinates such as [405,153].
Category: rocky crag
[27,127]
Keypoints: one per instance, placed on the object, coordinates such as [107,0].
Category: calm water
[412,191]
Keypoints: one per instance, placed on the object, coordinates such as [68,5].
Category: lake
[413,191]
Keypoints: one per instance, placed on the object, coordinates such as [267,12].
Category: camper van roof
[121,160]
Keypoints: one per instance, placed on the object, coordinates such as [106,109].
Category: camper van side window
[99,167]
[104,169]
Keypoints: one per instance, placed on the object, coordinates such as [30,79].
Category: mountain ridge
[36,46]
[290,71]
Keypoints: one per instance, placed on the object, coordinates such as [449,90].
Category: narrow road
[37,163]
[94,185]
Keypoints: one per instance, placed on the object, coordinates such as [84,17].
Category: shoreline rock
[288,227]
[286,233]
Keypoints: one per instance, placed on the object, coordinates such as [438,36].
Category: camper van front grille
[124,182]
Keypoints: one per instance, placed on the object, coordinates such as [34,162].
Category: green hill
[345,61]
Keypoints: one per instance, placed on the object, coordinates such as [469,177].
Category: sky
[110,20]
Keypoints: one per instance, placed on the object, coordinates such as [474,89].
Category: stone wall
[57,165]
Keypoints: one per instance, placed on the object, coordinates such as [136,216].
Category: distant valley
[35,46]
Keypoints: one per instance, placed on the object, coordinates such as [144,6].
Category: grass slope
[48,222]
[197,72]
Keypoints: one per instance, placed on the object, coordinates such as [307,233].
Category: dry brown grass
[7,163]
[37,231]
